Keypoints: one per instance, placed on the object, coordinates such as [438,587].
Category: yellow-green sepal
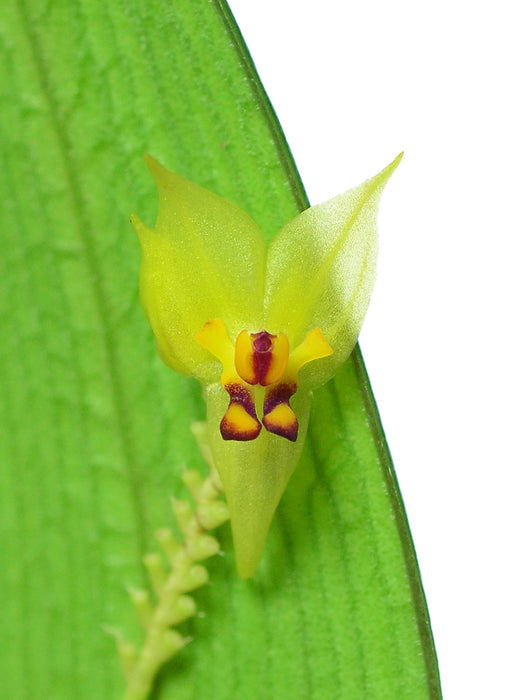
[205,258]
[254,475]
[321,270]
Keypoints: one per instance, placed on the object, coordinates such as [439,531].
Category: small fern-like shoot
[170,584]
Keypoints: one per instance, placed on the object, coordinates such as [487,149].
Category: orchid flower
[259,326]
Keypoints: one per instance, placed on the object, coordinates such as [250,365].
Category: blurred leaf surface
[94,430]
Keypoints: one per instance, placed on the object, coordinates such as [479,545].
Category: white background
[353,84]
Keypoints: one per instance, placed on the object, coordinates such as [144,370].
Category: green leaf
[94,429]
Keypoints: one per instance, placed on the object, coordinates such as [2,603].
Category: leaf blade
[95,428]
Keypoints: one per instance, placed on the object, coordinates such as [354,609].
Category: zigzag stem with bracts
[170,587]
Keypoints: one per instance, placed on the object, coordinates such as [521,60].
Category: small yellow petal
[214,337]
[244,358]
[313,347]
[280,354]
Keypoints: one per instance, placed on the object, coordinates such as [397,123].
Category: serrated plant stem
[170,586]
